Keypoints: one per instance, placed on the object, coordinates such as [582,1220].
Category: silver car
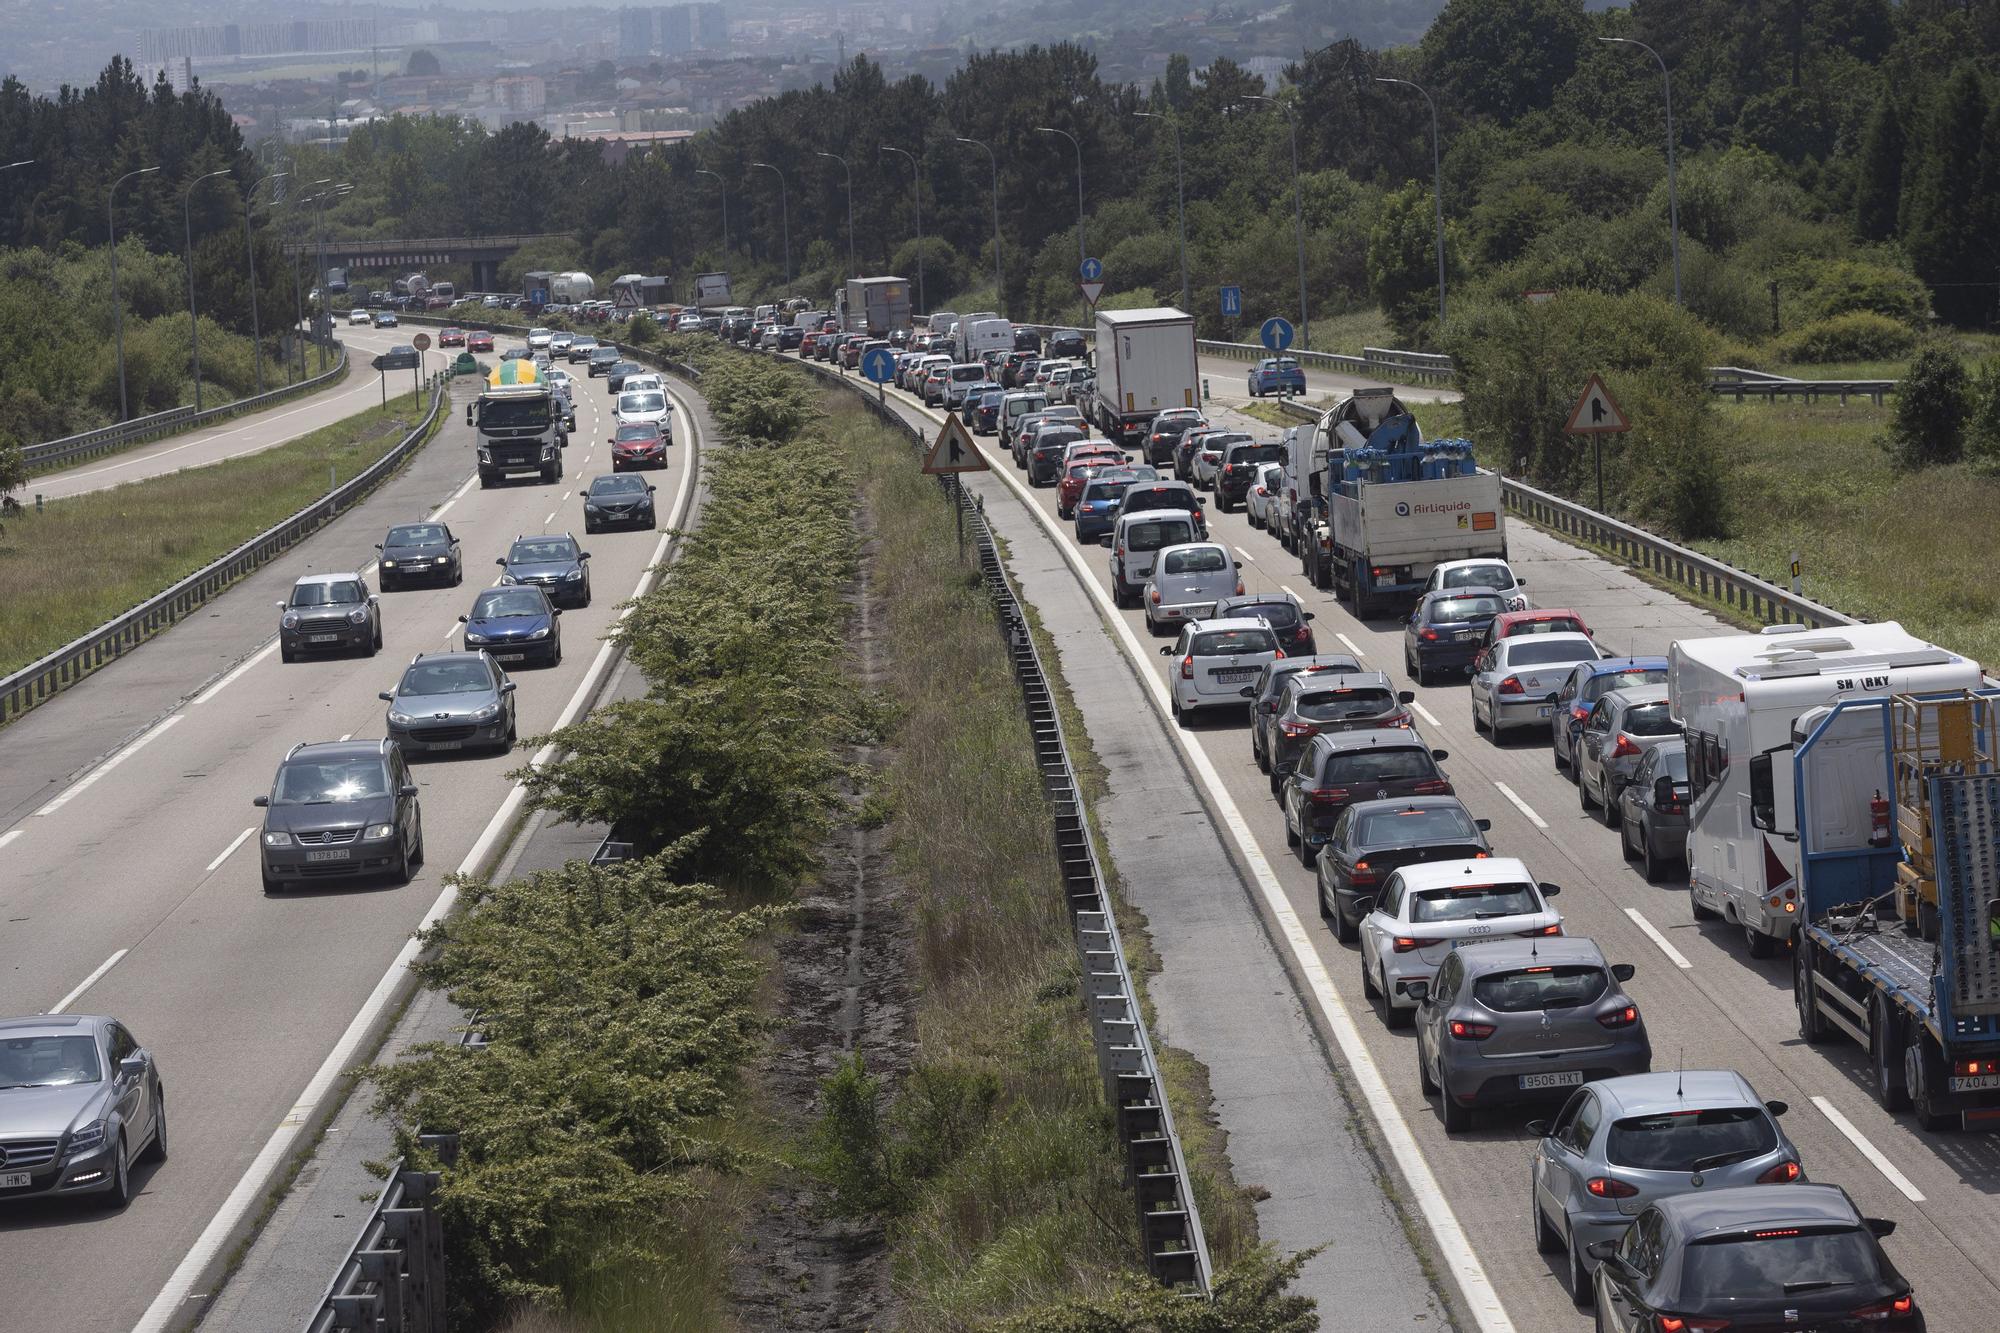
[1219,662]
[1623,726]
[80,1101]
[1514,682]
[1512,1021]
[447,702]
[1622,1143]
[1425,912]
[1260,500]
[1136,540]
[1187,581]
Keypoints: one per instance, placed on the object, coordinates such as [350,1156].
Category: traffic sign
[1091,291]
[879,366]
[1596,413]
[954,451]
[422,342]
[1277,333]
[539,296]
[1090,270]
[1232,301]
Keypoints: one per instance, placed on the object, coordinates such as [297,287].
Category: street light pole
[785,207]
[1180,201]
[298,281]
[187,238]
[722,189]
[1437,185]
[999,282]
[1081,254]
[851,271]
[1673,188]
[319,231]
[250,262]
[117,308]
[1298,212]
[917,198]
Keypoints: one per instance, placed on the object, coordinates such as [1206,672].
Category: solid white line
[1869,1150]
[349,736]
[89,981]
[1245,554]
[228,851]
[470,482]
[230,679]
[1350,643]
[439,511]
[89,779]
[1521,805]
[1425,713]
[9,836]
[1674,956]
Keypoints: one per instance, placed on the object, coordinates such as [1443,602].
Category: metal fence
[393,1279]
[39,681]
[108,439]
[1738,383]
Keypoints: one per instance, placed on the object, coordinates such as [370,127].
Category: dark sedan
[1282,612]
[80,1101]
[618,501]
[986,415]
[552,563]
[1653,806]
[1371,838]
[620,371]
[1445,631]
[515,624]
[420,553]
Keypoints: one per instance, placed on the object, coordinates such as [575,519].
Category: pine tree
[1941,224]
[1878,187]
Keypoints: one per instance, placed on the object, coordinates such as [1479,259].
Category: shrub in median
[1859,335]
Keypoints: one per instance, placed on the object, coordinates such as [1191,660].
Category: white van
[942,320]
[979,335]
[1136,541]
[1743,701]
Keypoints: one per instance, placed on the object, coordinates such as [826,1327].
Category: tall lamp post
[1044,129]
[250,262]
[721,188]
[999,283]
[1673,189]
[851,271]
[319,231]
[117,308]
[785,211]
[187,238]
[1298,211]
[1437,184]
[1180,201]
[917,199]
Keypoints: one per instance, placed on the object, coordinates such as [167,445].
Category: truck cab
[520,425]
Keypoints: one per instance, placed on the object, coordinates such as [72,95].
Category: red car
[1077,476]
[478,342]
[638,444]
[451,337]
[806,345]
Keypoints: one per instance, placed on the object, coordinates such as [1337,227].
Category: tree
[423,63]
[1933,400]
[1402,260]
[1878,185]
[1503,58]
[1941,228]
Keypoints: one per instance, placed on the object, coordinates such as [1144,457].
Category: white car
[1260,499]
[358,315]
[1425,911]
[644,406]
[1485,572]
[538,339]
[688,324]
[1514,682]
[1207,459]
[1188,580]
[1216,663]
[634,383]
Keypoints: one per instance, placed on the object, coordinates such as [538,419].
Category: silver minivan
[1136,541]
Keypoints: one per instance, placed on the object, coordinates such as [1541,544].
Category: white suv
[1216,663]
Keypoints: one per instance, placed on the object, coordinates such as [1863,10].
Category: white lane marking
[230,850]
[1245,554]
[470,482]
[1521,805]
[89,981]
[1352,645]
[251,1187]
[89,779]
[1286,588]
[439,511]
[1674,956]
[1425,713]
[230,679]
[1869,1150]
[349,736]
[565,496]
[550,519]
[9,836]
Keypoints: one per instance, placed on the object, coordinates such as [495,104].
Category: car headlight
[356,617]
[442,560]
[388,564]
[488,713]
[541,633]
[377,832]
[485,454]
[472,638]
[87,1139]
[277,838]
[574,574]
[399,719]
[508,578]
[291,620]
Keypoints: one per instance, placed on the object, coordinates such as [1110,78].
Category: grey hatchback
[340,809]
[80,1101]
[447,702]
[1270,684]
[1653,809]
[1623,726]
[329,613]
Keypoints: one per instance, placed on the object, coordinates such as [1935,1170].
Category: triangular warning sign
[953,450]
[1091,291]
[1596,413]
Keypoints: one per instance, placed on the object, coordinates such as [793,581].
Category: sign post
[950,454]
[422,342]
[1597,415]
[880,367]
[1798,576]
[1232,302]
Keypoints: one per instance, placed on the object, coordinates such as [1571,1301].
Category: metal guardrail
[1738,383]
[106,439]
[40,681]
[393,1278]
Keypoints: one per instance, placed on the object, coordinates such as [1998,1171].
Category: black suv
[553,563]
[420,553]
[340,810]
[1240,462]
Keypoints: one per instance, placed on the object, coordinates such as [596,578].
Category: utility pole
[1180,202]
[250,263]
[852,272]
[1298,212]
[785,205]
[187,236]
[916,198]
[117,307]
[1081,254]
[722,188]
[1437,185]
[1673,187]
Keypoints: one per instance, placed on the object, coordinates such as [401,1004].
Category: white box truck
[875,306]
[711,290]
[1145,364]
[979,335]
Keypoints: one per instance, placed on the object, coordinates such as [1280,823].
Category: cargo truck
[711,291]
[1145,364]
[875,306]
[520,428]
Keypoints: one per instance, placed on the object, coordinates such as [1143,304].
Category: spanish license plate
[335,854]
[1233,673]
[444,745]
[14,1180]
[322,638]
[1466,634]
[510,657]
[1975,1083]
[1546,710]
[1572,1078]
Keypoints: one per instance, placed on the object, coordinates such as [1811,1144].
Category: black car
[1026,339]
[1066,345]
[1371,838]
[1168,427]
[1270,684]
[553,563]
[1163,494]
[1343,767]
[615,377]
[1240,462]
[986,417]
[789,338]
[1045,452]
[340,810]
[1320,702]
[1444,633]
[1653,810]
[332,613]
[618,500]
[420,553]
[602,359]
[1282,612]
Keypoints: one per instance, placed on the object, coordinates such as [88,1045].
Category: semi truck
[1389,506]
[1145,364]
[570,288]
[520,428]
[875,306]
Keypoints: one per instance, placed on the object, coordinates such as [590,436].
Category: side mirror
[651,487]
[1239,565]
[556,611]
[1406,696]
[1440,755]
[1104,541]
[1549,890]
[407,789]
[1364,905]
[1483,825]
[1520,582]
[1418,990]
[1167,650]
[132,1066]
[583,555]
[386,696]
[500,560]
[372,600]
[1777,1108]
[1308,615]
[1880,1227]
[465,620]
[279,605]
[1604,1251]
[261,802]
[1538,1128]
[1249,691]
[1623,971]
[378,546]
[506,687]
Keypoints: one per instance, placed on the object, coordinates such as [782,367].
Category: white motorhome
[1743,701]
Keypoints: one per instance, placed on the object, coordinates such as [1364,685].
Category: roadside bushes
[1858,335]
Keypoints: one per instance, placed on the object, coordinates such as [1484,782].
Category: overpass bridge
[483,253]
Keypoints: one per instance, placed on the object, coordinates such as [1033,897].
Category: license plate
[1546,710]
[14,1180]
[322,638]
[444,745]
[1465,634]
[1571,1079]
[1233,673]
[1975,1083]
[335,854]
[510,657]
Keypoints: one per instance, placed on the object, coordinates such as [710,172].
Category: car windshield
[1527,989]
[616,485]
[513,412]
[1381,763]
[642,402]
[638,430]
[1152,536]
[313,782]
[1649,720]
[497,602]
[540,553]
[1619,680]
[1229,642]
[1336,705]
[417,534]
[1414,828]
[1280,614]
[328,594]
[1202,560]
[1676,1140]
[1475,902]
[1549,654]
[460,677]
[1778,1262]
[49,1061]
[1478,576]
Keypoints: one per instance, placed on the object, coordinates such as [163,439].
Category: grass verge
[83,561]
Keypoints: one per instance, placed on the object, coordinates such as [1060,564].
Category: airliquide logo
[1402,509]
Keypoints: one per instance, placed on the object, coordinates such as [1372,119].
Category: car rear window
[1479,576]
[1341,704]
[1598,686]
[1676,1140]
[1104,490]
[1227,642]
[1474,902]
[1257,453]
[1202,560]
[1152,536]
[1529,988]
[1783,1260]
[1048,441]
[1160,497]
[1413,828]
[1280,614]
[1464,610]
[1381,763]
[1549,654]
[1547,625]
[1649,720]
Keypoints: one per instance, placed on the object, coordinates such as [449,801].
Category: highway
[129,882]
[1226,385]
[1705,1002]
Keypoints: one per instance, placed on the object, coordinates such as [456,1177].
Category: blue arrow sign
[1090,270]
[1277,333]
[1232,301]
[539,296]
[879,366]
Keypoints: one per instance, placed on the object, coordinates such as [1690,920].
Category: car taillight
[1407,944]
[1578,712]
[1784,1173]
[1901,1305]
[1330,795]
[1620,1018]
[1511,685]
[1298,730]
[1187,666]
[1674,1323]
[1301,634]
[1604,1187]
[1432,787]
[1541,932]
[1428,635]
[1469,1031]
[1154,593]
[1229,470]
[1239,587]
[1399,718]
[1364,873]
[1625,749]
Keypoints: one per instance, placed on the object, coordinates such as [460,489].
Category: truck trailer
[875,306]
[1145,364]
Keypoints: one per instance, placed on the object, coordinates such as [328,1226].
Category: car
[80,1102]
[1319,702]
[1047,445]
[1014,407]
[1241,461]
[538,338]
[790,337]
[968,402]
[1081,465]
[1372,838]
[1339,768]
[639,444]
[601,360]
[1018,433]
[329,613]
[1164,493]
[1510,1022]
[1195,444]
[648,406]
[552,562]
[1205,460]
[1136,538]
[1623,726]
[766,337]
[1168,427]
[618,372]
[582,348]
[479,340]
[1187,582]
[961,379]
[644,379]
[1259,502]
[1545,620]
[688,323]
[359,315]
[936,386]
[1219,659]
[1283,612]
[560,340]
[1514,682]
[515,623]
[1424,912]
[451,337]
[1444,632]
[849,353]
[1270,684]
[986,413]
[451,702]
[1583,687]
[340,810]
[618,501]
[1097,504]
[1482,572]
[1619,1144]
[1067,343]
[1016,366]
[1752,1258]
[807,344]
[1653,810]
[385,319]
[419,553]
[1279,375]
[1082,384]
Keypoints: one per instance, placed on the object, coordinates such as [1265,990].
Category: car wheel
[1367,981]
[1759,944]
[1263,760]
[1608,807]
[1392,1017]
[404,872]
[1425,1083]
[1307,852]
[1700,912]
[1291,835]
[1581,1289]
[1345,931]
[1477,725]
[1583,793]
[1277,784]
[1326,908]
[120,1192]
[285,653]
[458,573]
[1547,1239]
[1654,866]
[156,1151]
[1805,996]
[417,856]
[1625,841]
[1420,673]
[1562,764]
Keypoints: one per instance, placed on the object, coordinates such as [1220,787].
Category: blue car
[1097,508]
[1277,374]
[1586,684]
[515,624]
[986,417]
[1445,632]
